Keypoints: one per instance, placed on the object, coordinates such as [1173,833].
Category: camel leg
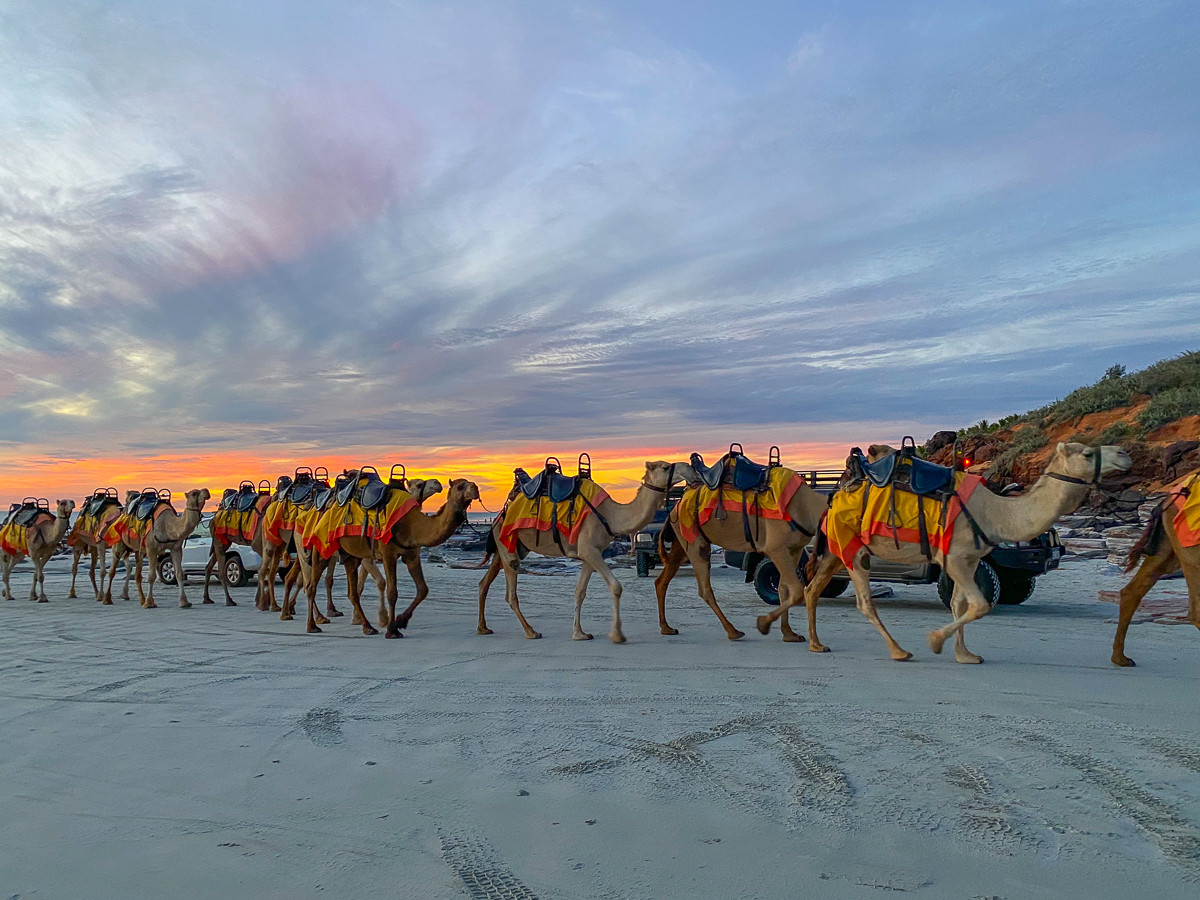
[213,563]
[385,616]
[77,551]
[33,588]
[510,594]
[1152,568]
[311,582]
[484,583]
[265,600]
[6,565]
[702,568]
[963,575]
[147,600]
[412,560]
[39,574]
[791,589]
[350,564]
[292,585]
[674,559]
[592,558]
[177,560]
[958,607]
[330,610]
[861,579]
[585,574]
[98,555]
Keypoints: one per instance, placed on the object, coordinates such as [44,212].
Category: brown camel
[421,489]
[594,538]
[41,540]
[91,541]
[167,532]
[412,532]
[254,540]
[779,540]
[1160,558]
[1071,473]
[122,544]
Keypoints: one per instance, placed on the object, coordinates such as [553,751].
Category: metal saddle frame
[551,483]
[100,498]
[27,511]
[737,469]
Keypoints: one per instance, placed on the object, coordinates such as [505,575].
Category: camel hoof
[581,636]
[184,604]
[403,619]
[334,613]
[321,620]
[107,601]
[71,596]
[617,638]
[793,638]
[936,640]
[764,624]
[967,659]
[817,648]
[370,629]
[230,603]
[207,601]
[150,605]
[667,629]
[533,635]
[275,607]
[356,619]
[43,600]
[483,629]
[736,635]
[313,629]
[392,634]
[286,618]
[1123,661]
[905,656]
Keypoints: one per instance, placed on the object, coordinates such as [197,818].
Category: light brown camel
[167,532]
[41,540]
[1161,553]
[421,489]
[777,539]
[1071,473]
[594,538]
[254,540]
[412,532]
[94,545]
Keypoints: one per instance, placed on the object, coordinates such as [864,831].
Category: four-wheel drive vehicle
[241,561]
[1004,576]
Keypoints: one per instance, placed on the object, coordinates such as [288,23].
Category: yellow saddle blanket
[866,512]
[277,518]
[85,527]
[543,515]
[1187,516]
[321,531]
[231,525]
[12,539]
[133,532]
[699,504]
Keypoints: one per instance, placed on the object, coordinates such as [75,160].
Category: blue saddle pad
[373,494]
[246,500]
[299,491]
[748,475]
[322,497]
[146,504]
[25,515]
[880,472]
[930,478]
[709,475]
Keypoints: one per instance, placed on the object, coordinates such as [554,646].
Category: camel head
[1089,464]
[196,499]
[462,492]
[65,508]
[424,488]
[662,474]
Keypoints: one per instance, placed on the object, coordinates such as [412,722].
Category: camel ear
[1061,448]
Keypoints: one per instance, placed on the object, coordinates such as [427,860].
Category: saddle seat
[367,488]
[737,470]
[95,504]
[145,504]
[905,470]
[551,483]
[26,512]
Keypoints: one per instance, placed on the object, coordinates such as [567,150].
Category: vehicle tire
[986,580]
[643,565]
[766,582]
[166,570]
[235,572]
[1015,589]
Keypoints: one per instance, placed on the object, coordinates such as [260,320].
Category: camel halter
[670,478]
[1071,479]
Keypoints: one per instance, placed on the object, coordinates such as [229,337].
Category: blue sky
[361,224]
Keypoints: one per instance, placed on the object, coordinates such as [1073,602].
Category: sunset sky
[240,236]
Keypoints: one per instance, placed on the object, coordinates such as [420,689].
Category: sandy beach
[218,752]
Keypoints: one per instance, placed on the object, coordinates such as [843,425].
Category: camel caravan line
[890,504]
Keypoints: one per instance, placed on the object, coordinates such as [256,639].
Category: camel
[412,532]
[1071,473]
[41,540]
[1159,558]
[777,539]
[594,537]
[94,545]
[122,545]
[167,532]
[421,489]
[220,547]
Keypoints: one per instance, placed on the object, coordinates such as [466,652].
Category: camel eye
[1089,452]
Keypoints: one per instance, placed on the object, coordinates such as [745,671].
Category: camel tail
[666,537]
[489,549]
[820,548]
[1150,541]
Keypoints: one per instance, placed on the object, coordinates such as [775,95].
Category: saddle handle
[264,487]
[320,473]
[301,471]
[738,452]
[246,486]
[773,457]
[908,446]
[112,492]
[400,482]
[43,503]
[363,470]
[163,494]
[553,461]
[29,501]
[585,465]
